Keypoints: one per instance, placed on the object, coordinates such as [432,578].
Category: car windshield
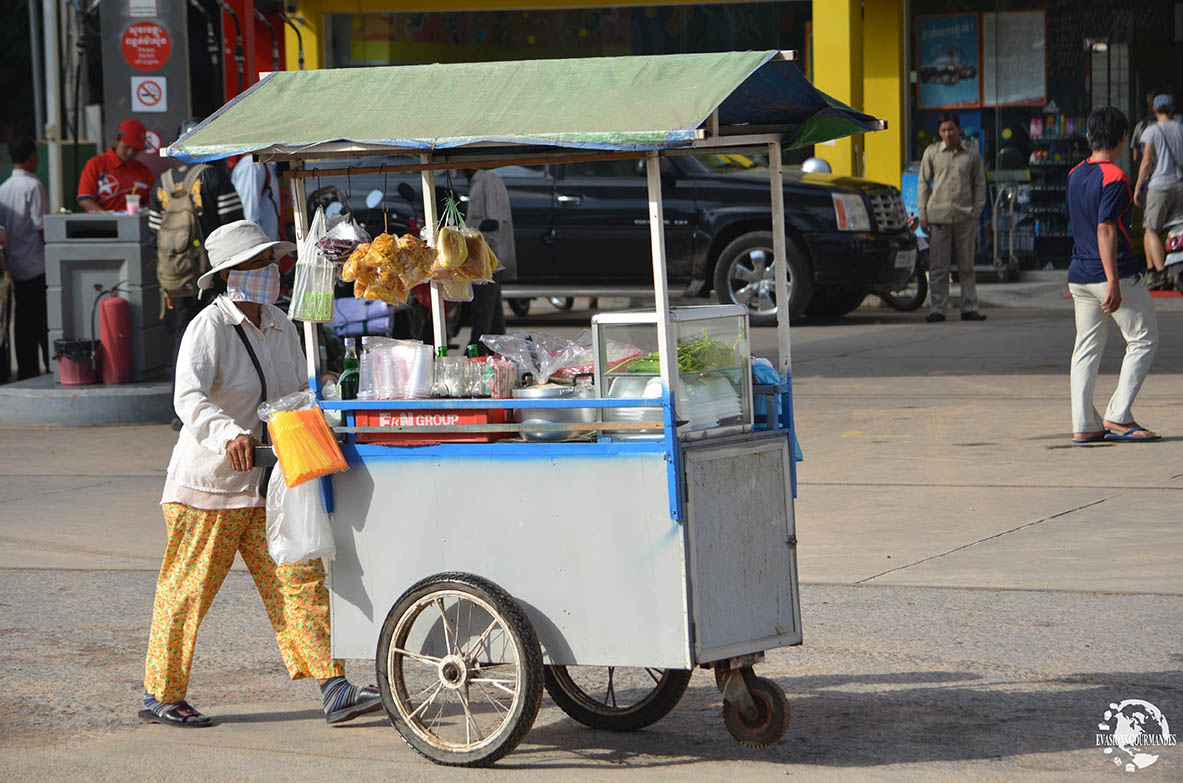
[732,161]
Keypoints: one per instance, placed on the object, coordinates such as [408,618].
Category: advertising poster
[947,62]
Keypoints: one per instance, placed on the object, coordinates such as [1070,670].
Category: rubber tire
[665,696]
[909,304]
[561,302]
[799,268]
[772,722]
[835,302]
[520,307]
[528,649]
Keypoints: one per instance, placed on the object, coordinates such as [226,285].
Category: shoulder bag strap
[250,349]
[265,480]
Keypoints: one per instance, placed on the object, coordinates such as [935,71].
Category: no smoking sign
[149,94]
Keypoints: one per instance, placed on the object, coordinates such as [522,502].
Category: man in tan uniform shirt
[950,196]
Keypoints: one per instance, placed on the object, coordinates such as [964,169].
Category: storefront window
[1022,82]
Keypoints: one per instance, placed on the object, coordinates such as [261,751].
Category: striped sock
[152,704]
[338,694]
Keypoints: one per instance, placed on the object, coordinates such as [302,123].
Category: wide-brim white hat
[237,242]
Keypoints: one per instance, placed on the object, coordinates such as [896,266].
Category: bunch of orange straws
[304,445]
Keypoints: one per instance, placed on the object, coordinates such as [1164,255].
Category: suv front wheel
[746,275]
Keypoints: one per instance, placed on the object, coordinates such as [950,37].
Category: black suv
[582,229]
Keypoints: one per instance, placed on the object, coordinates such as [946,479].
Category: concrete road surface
[976,591]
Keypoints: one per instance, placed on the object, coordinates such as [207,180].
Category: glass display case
[714,380]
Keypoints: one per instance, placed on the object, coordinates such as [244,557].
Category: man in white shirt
[23,204]
[258,187]
[488,211]
[1161,174]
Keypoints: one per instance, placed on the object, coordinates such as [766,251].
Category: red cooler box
[430,418]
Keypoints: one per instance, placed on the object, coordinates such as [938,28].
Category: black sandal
[181,715]
[368,700]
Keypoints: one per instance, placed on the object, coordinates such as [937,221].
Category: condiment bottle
[350,378]
[365,375]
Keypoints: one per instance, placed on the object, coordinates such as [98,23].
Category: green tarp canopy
[601,103]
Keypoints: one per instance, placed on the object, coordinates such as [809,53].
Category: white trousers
[1139,326]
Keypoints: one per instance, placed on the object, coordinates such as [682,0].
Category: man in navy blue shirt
[1106,282]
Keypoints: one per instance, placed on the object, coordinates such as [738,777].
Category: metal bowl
[554,415]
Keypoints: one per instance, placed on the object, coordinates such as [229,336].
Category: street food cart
[603,568]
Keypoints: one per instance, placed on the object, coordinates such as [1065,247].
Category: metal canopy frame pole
[661,291]
[311,343]
[439,323]
[780,259]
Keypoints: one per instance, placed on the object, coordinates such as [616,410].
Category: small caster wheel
[772,720]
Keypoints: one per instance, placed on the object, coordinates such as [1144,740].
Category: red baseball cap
[132,132]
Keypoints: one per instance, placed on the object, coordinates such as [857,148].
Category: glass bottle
[365,375]
[350,378]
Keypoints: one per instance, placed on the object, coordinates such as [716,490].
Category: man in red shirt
[108,179]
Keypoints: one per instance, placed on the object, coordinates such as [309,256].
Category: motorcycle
[1174,247]
[912,294]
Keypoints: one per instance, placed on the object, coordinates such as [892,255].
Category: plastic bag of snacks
[342,236]
[301,438]
[448,238]
[298,528]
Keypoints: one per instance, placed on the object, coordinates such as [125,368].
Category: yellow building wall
[884,92]
[838,71]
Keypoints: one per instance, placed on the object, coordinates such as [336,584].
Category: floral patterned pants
[201,547]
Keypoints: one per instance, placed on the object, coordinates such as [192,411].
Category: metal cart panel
[742,546]
[597,564]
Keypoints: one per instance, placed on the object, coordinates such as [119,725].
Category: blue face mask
[254,285]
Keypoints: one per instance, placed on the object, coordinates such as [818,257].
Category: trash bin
[89,253]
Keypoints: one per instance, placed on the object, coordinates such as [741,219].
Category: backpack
[180,248]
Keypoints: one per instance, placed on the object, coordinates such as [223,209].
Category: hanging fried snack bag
[475,266]
[416,260]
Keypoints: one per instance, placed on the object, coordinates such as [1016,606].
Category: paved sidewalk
[977,590]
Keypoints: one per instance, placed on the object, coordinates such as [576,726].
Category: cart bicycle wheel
[459,668]
[616,698]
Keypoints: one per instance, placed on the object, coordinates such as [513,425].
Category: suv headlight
[850,212]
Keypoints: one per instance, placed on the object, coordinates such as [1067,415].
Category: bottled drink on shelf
[349,382]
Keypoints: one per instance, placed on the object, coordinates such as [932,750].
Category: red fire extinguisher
[115,336]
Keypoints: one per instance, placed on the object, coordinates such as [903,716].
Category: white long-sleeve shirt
[217,391]
[258,187]
[488,198]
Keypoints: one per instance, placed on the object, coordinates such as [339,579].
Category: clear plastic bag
[298,528]
[312,292]
[536,353]
[341,238]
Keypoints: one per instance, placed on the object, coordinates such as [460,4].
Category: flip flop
[1086,441]
[1129,435]
[179,715]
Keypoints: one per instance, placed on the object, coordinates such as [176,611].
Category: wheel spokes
[468,718]
[470,656]
[499,684]
[745,274]
[452,643]
[611,694]
[420,657]
[426,702]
